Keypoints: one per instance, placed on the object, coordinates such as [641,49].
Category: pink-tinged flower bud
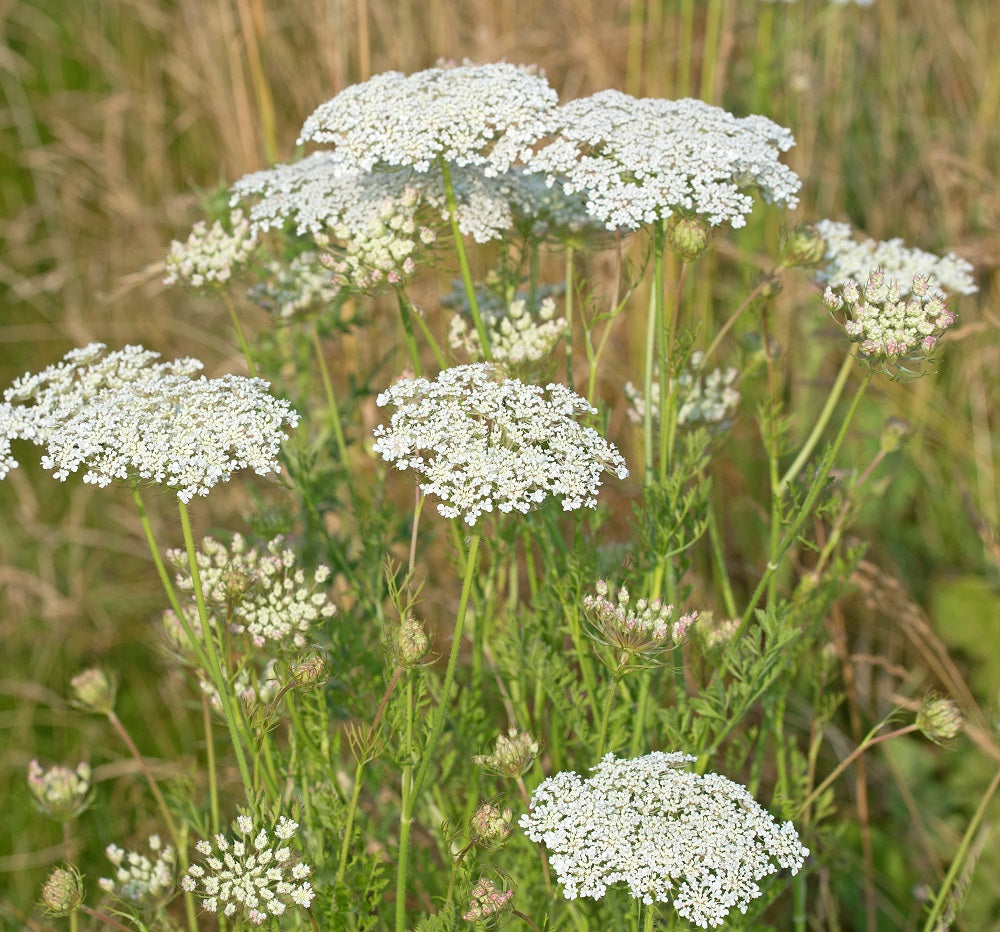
[94,690]
[409,642]
[60,792]
[62,892]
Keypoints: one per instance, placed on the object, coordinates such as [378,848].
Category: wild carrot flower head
[698,841]
[37,405]
[517,335]
[297,288]
[890,327]
[512,756]
[482,443]
[138,879]
[487,901]
[62,893]
[258,591]
[702,397]
[482,115]
[637,631]
[638,161]
[60,792]
[849,258]
[490,825]
[250,876]
[212,255]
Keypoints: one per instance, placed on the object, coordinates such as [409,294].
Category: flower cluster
[487,900]
[886,324]
[138,880]
[124,417]
[490,825]
[482,115]
[255,688]
[517,336]
[37,405]
[702,398]
[637,631]
[512,755]
[249,877]
[211,255]
[483,444]
[699,841]
[848,258]
[296,288]
[60,792]
[62,893]
[639,161]
[259,592]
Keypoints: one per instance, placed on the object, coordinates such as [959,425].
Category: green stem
[240,335]
[463,259]
[819,480]
[719,560]
[213,778]
[411,342]
[331,399]
[569,316]
[428,336]
[214,664]
[427,757]
[710,48]
[960,856]
[819,426]
[154,552]
[602,736]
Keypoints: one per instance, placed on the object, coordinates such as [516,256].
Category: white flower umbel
[517,336]
[36,406]
[189,434]
[888,325]
[482,442]
[296,288]
[700,842]
[481,115]
[211,255]
[847,258]
[260,591]
[639,161]
[703,398]
[139,880]
[250,877]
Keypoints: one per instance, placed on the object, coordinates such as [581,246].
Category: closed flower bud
[689,237]
[311,671]
[408,642]
[805,247]
[94,690]
[513,754]
[62,892]
[894,432]
[941,720]
[487,900]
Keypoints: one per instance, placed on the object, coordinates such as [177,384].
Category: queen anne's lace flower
[636,631]
[124,418]
[295,288]
[481,115]
[36,406]
[211,255]
[516,337]
[699,841]
[887,325]
[250,877]
[138,880]
[260,591]
[847,258]
[60,792]
[482,443]
[512,755]
[703,398]
[639,161]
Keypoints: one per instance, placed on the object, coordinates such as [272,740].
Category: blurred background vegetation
[120,118]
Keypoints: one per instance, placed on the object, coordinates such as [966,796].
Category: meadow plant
[376,673]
